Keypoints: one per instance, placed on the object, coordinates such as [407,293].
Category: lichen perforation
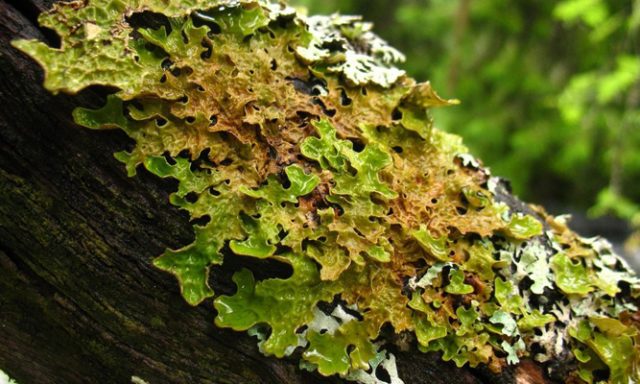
[296,139]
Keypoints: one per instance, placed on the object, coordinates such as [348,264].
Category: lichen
[295,139]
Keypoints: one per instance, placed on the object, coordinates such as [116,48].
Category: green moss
[285,136]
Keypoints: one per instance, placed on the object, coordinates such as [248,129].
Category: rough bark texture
[79,299]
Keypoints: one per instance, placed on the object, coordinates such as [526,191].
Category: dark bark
[79,299]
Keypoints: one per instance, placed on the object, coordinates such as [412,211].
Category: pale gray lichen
[534,264]
[346,45]
[383,359]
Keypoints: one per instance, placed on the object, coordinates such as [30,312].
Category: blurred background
[550,95]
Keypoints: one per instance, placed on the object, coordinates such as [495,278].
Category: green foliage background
[549,89]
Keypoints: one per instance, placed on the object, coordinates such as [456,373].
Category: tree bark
[79,299]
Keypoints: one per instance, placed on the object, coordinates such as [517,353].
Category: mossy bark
[79,299]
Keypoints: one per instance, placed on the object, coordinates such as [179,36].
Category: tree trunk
[79,299]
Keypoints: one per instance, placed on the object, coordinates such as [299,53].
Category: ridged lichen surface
[295,138]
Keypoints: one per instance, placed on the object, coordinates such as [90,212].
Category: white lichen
[348,47]
[385,360]
[534,264]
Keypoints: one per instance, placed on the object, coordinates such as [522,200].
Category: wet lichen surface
[296,139]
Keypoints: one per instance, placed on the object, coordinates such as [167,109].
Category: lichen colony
[295,138]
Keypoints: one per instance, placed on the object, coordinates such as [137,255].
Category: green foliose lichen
[295,139]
